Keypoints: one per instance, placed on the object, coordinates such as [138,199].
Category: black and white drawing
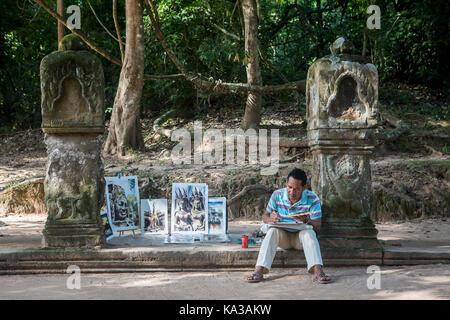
[217,215]
[122,201]
[189,208]
[154,218]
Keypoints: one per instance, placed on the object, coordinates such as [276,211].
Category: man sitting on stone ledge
[295,198]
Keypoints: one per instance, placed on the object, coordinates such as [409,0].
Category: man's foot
[321,278]
[255,277]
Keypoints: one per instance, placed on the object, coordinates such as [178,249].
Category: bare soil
[410,174]
[426,282]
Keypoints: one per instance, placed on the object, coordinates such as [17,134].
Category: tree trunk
[60,10]
[364,49]
[252,116]
[124,129]
[318,44]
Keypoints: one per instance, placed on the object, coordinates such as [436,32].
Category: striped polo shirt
[309,202]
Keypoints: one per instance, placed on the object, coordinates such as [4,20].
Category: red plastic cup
[244,241]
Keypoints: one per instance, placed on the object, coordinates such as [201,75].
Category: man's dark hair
[298,174]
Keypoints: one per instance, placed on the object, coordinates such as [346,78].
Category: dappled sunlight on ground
[412,282]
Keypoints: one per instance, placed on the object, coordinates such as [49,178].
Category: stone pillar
[72,86]
[342,97]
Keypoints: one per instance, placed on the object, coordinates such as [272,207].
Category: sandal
[255,277]
[322,278]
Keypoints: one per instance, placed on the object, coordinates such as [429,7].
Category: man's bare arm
[316,223]
[268,217]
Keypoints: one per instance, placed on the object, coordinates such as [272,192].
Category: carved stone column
[72,86]
[342,97]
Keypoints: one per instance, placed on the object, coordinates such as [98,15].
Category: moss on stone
[71,42]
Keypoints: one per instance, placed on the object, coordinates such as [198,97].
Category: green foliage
[413,42]
[400,102]
[445,149]
[23,44]
[189,30]
[27,34]
[393,96]
[410,47]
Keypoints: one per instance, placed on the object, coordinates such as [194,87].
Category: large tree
[252,116]
[124,128]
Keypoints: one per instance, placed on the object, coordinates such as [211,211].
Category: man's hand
[316,223]
[271,217]
[274,216]
[303,219]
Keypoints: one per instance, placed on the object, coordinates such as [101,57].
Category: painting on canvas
[189,212]
[122,201]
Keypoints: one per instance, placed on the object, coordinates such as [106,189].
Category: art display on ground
[154,217]
[107,226]
[217,215]
[189,208]
[122,202]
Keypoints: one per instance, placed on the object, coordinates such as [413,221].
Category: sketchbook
[299,214]
[197,238]
[286,226]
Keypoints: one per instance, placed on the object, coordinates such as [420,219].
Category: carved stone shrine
[341,98]
[72,87]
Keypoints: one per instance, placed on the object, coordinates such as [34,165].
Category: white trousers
[287,240]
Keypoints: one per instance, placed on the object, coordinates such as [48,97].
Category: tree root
[234,203]
[295,157]
[433,151]
[157,128]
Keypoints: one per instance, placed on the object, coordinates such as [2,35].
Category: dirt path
[417,282]
[408,282]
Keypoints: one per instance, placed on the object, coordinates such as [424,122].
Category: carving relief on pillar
[74,184]
[342,98]
[347,193]
[72,86]
[342,92]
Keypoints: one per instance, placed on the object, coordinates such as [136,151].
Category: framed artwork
[217,215]
[189,212]
[154,217]
[107,225]
[122,202]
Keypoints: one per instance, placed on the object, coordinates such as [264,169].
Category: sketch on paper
[154,217]
[217,215]
[106,225]
[122,202]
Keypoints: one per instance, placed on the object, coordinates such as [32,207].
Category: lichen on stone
[71,42]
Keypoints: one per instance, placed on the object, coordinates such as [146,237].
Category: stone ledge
[415,256]
[199,259]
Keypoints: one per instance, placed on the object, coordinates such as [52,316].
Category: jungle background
[411,165]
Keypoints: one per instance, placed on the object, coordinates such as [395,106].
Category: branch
[199,80]
[116,25]
[106,29]
[177,76]
[218,86]
[246,189]
[226,32]
[78,33]
[258,11]
[232,14]
[271,66]
[156,25]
